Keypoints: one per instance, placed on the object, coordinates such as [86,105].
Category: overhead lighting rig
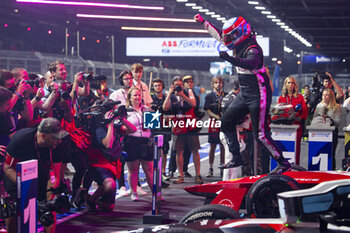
[92,4]
[135,18]
[164,29]
[278,22]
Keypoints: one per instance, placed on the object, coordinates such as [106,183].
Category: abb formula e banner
[181,46]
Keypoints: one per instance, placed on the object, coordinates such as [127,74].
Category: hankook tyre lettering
[210,212]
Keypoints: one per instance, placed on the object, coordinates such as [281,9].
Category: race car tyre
[210,212]
[179,230]
[261,200]
[295,167]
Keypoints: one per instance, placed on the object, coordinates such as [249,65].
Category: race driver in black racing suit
[255,95]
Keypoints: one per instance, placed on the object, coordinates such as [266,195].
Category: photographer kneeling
[27,144]
[104,153]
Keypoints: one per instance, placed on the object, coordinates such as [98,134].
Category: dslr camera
[88,76]
[34,80]
[63,95]
[178,88]
[20,102]
[33,83]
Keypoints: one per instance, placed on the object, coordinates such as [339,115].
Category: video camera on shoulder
[316,89]
[94,115]
[317,79]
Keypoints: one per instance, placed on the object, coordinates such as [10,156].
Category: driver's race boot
[283,166]
[236,161]
[233,145]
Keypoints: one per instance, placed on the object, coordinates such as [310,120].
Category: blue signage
[320,148]
[314,59]
[285,138]
[320,156]
[288,151]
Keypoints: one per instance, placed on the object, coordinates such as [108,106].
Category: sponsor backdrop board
[181,46]
[27,188]
[285,137]
[320,148]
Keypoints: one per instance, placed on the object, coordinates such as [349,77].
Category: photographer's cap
[52,126]
[187,77]
[40,77]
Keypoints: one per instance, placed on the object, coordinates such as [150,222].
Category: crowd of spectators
[99,130]
[96,129]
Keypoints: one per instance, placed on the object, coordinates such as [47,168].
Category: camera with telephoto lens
[59,204]
[33,83]
[178,88]
[63,95]
[88,76]
[19,106]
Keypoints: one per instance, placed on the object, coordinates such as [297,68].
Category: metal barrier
[37,62]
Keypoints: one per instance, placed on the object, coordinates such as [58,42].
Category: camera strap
[125,94]
[219,98]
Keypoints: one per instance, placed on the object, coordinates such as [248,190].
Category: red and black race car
[320,209]
[254,196]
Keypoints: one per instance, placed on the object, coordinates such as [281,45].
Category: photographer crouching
[33,143]
[105,125]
